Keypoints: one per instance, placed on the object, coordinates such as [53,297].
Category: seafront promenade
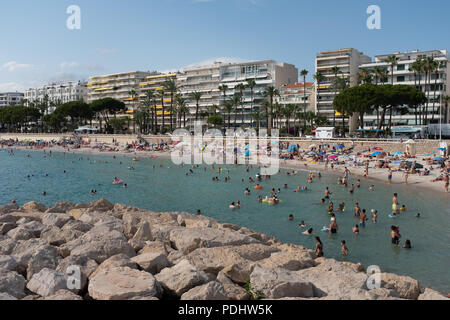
[419,147]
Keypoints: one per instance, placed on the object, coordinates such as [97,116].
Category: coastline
[126,253]
[379,175]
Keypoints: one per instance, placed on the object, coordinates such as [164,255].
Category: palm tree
[228,107]
[171,86]
[446,100]
[251,84]
[428,68]
[392,60]
[196,96]
[223,88]
[270,93]
[161,95]
[436,66]
[319,77]
[288,111]
[241,87]
[414,68]
[364,76]
[335,70]
[133,94]
[304,73]
[236,100]
[148,103]
[182,108]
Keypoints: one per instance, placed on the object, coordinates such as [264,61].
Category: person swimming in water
[374,215]
[395,235]
[308,232]
[356,229]
[303,224]
[344,248]
[327,193]
[291,217]
[363,218]
[232,206]
[407,244]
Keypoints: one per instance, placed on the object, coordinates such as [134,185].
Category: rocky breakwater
[103,251]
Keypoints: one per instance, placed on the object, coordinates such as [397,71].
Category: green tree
[336,71]
[196,96]
[270,93]
[241,88]
[171,87]
[103,108]
[304,73]
[320,78]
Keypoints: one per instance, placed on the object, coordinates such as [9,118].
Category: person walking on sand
[390,176]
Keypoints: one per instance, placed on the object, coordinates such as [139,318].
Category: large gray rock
[156,247]
[6,296]
[61,207]
[188,240]
[44,257]
[33,207]
[181,278]
[213,290]
[152,262]
[430,294]
[99,244]
[62,295]
[141,237]
[8,208]
[7,245]
[86,267]
[12,283]
[20,233]
[57,237]
[56,219]
[24,250]
[119,260]
[8,263]
[130,223]
[405,287]
[5,227]
[47,282]
[280,283]
[292,260]
[75,225]
[335,279]
[101,205]
[122,283]
[232,290]
[102,219]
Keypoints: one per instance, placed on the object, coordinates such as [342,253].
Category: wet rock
[34,207]
[213,290]
[152,262]
[12,283]
[122,283]
[47,282]
[181,278]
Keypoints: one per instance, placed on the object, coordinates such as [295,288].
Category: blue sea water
[167,188]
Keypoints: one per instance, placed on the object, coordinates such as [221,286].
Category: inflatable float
[118,182]
[258,187]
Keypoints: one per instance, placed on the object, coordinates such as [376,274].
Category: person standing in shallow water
[319,248]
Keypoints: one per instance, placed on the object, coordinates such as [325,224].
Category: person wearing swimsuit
[395,235]
[319,248]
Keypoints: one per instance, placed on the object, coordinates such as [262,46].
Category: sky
[37,48]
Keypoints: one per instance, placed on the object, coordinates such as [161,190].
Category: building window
[401,79]
[401,67]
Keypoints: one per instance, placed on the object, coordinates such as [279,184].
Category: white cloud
[11,87]
[13,65]
[67,65]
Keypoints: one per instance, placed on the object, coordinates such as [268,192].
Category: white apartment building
[207,80]
[11,99]
[57,94]
[348,61]
[437,89]
[117,86]
[296,94]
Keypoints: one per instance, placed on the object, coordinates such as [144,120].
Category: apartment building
[11,99]
[298,94]
[57,94]
[437,87]
[119,86]
[208,79]
[155,83]
[348,62]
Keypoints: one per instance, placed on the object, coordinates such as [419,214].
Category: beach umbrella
[341,146]
[438,159]
[332,157]
[375,154]
[321,153]
[442,149]
[397,153]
